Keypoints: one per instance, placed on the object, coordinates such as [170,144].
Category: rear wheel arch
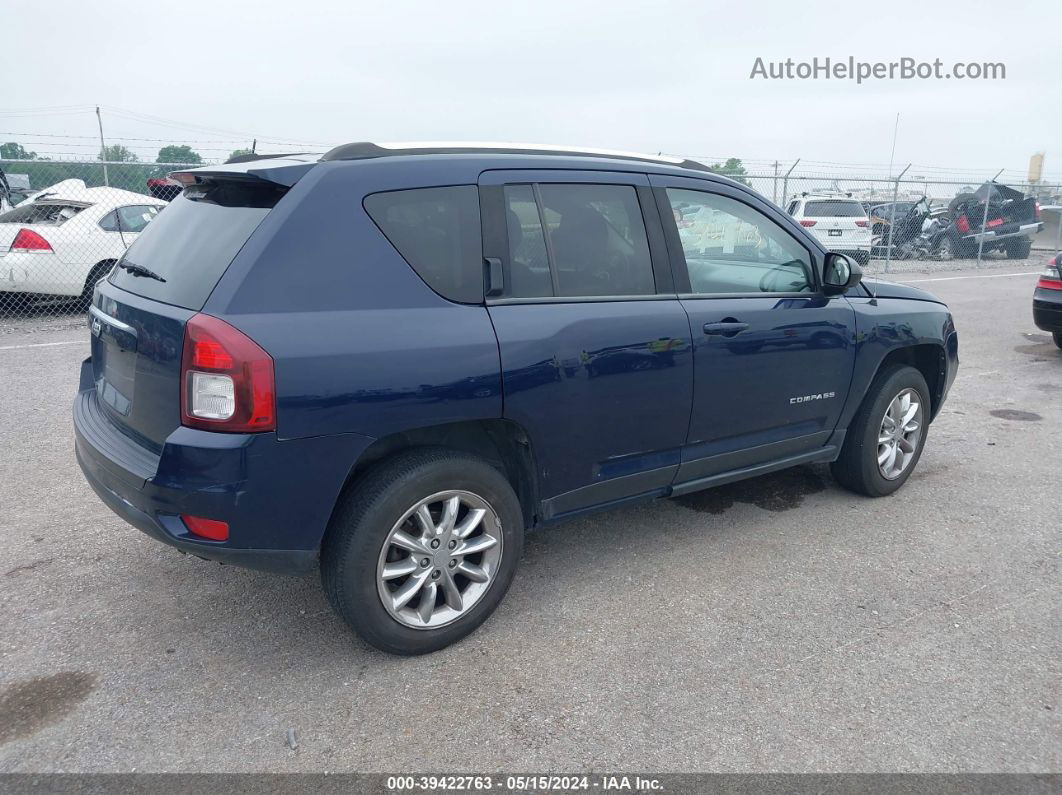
[504,444]
[96,272]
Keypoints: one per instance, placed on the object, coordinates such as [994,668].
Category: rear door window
[437,231]
[192,242]
[577,240]
[833,209]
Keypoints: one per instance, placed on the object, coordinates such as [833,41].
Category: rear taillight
[28,240]
[962,224]
[227,381]
[1051,278]
[861,223]
[994,223]
[808,223]
[1036,211]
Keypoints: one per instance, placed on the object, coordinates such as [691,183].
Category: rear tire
[1057,337]
[1018,249]
[858,468]
[360,543]
[99,270]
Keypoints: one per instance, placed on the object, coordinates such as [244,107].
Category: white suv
[838,221]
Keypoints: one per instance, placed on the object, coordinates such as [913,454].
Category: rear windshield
[833,209]
[52,214]
[193,240]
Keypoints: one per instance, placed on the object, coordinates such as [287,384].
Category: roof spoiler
[283,170]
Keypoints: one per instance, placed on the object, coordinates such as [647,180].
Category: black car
[1047,300]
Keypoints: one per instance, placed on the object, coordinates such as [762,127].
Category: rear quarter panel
[360,343]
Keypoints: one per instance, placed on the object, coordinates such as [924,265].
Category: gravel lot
[780,624]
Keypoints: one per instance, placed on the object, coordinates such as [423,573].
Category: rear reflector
[994,223]
[207,528]
[227,381]
[28,240]
[808,223]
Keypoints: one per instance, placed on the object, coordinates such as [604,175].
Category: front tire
[887,434]
[1057,337]
[421,551]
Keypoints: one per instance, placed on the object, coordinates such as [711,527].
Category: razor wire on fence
[64,223]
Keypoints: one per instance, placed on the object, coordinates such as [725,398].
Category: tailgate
[138,314]
[136,363]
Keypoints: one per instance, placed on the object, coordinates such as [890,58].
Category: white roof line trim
[473,145]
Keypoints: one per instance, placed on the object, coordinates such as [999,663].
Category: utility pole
[254,145]
[774,190]
[103,147]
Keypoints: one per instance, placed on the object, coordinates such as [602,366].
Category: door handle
[726,328]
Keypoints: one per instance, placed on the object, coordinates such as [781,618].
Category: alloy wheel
[439,559]
[899,434]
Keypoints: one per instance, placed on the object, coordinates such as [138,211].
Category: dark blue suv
[388,362]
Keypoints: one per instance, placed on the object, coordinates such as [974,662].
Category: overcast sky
[647,76]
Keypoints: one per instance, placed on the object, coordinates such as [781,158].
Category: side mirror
[840,274]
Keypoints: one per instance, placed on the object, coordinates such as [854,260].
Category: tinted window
[732,248]
[437,231]
[135,217]
[109,222]
[833,209]
[192,243]
[596,243]
[529,273]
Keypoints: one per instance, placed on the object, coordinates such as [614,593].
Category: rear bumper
[1047,310]
[1006,233]
[277,496]
[42,273]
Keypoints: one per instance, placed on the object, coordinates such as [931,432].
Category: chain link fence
[64,223]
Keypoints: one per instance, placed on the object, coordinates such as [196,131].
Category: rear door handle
[727,328]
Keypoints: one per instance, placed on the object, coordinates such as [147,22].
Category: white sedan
[68,236]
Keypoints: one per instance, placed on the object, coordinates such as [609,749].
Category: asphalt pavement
[781,624]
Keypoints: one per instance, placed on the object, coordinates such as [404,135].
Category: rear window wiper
[140,270]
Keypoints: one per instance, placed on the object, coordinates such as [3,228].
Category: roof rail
[365,150]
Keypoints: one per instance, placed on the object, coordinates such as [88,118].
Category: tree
[13,151]
[240,153]
[116,153]
[732,168]
[178,153]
